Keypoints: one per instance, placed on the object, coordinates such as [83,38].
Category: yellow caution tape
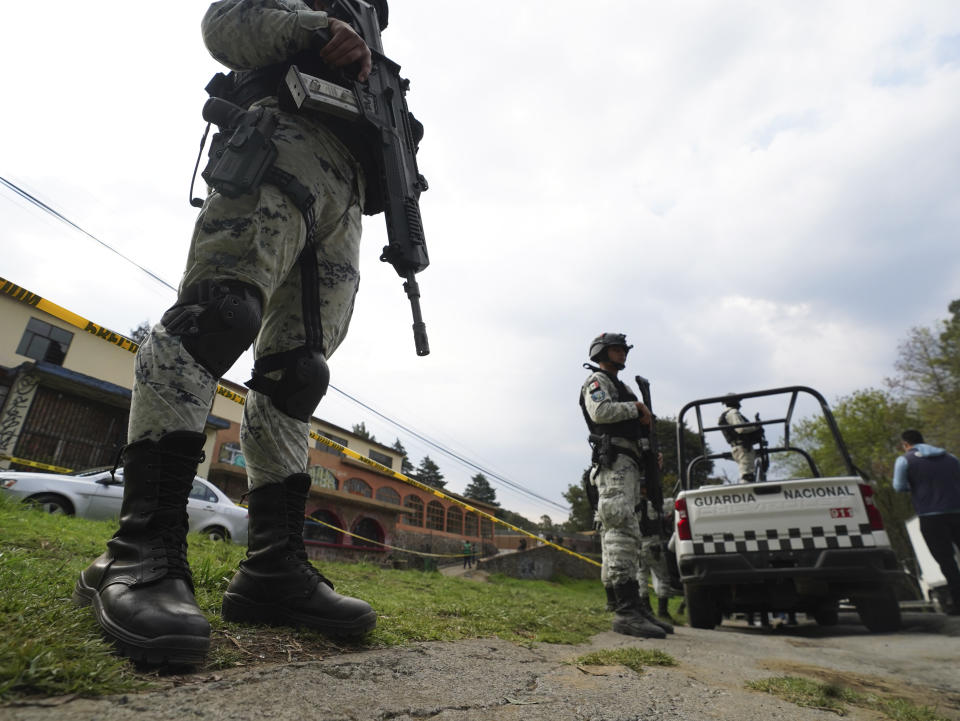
[386,545]
[32,299]
[34,464]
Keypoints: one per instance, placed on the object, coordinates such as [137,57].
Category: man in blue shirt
[932,478]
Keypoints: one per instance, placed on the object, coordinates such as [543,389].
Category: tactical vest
[733,437]
[243,87]
[934,482]
[629,429]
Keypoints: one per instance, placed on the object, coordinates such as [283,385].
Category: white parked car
[97,494]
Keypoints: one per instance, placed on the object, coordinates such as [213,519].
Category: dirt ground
[493,679]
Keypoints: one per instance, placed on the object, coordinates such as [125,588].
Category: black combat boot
[954,609]
[663,609]
[629,619]
[647,611]
[276,584]
[141,588]
[611,598]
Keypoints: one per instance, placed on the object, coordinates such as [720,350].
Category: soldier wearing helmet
[614,416]
[741,435]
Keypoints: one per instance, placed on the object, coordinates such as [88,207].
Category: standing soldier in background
[614,416]
[277,265]
[741,436]
[654,564]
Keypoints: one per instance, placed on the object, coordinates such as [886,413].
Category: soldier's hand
[645,417]
[345,48]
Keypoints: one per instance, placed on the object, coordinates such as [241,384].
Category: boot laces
[173,523]
[296,548]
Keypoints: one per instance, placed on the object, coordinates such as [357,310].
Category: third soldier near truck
[741,435]
[615,416]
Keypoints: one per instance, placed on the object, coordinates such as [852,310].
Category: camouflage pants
[619,489]
[653,564]
[257,239]
[745,457]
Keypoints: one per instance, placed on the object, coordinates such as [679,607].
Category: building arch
[322,477]
[415,504]
[435,516]
[358,487]
[454,520]
[388,495]
[320,533]
[371,533]
[470,524]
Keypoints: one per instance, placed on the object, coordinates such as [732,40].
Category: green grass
[48,647]
[632,658]
[835,698]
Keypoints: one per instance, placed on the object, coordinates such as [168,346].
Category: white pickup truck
[799,543]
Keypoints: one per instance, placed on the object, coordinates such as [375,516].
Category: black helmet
[599,345]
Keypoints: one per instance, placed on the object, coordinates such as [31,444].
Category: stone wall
[541,563]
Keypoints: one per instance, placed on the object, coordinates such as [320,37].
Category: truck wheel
[880,613]
[827,613]
[702,610]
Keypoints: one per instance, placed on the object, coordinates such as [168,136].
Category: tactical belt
[621,451]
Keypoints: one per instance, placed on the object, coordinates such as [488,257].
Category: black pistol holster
[242,152]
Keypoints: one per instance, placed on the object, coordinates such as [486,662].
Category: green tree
[928,375]
[140,333]
[406,467]
[360,429]
[480,489]
[581,513]
[666,429]
[515,519]
[429,473]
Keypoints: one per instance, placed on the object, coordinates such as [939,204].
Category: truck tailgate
[806,514]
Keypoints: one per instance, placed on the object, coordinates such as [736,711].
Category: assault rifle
[380,105]
[651,465]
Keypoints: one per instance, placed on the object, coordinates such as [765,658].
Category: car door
[105,496]
[201,505]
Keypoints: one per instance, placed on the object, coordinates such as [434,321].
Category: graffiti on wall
[15,411]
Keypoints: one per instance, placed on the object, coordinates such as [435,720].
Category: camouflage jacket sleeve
[248,34]
[599,394]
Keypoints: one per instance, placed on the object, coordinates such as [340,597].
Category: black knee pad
[216,321]
[304,377]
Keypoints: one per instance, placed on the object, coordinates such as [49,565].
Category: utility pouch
[242,152]
[603,450]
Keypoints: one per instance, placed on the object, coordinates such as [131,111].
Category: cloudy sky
[758,193]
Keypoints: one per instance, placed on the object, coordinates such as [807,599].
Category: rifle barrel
[412,290]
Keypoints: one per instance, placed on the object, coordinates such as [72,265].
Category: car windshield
[91,471]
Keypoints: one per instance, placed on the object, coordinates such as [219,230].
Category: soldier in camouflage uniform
[611,409]
[244,281]
[653,566]
[740,438]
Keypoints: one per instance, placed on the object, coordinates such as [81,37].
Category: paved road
[492,679]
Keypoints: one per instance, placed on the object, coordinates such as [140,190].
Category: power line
[46,208]
[452,454]
[433,444]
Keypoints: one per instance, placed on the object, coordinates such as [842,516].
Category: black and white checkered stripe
[791,539]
